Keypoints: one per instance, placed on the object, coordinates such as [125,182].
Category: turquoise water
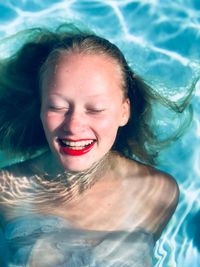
[161,41]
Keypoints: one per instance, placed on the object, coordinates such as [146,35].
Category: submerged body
[83,202]
[117,219]
[51,242]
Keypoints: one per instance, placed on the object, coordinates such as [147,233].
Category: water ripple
[161,40]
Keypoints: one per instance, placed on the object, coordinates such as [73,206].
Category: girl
[91,198]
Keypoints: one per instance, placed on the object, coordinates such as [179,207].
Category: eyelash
[67,109]
[57,108]
[95,110]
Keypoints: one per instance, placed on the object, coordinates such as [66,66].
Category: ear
[125,112]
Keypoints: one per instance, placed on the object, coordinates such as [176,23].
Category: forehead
[82,62]
[86,70]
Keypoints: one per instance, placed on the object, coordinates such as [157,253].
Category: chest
[104,206]
[108,205]
[50,241]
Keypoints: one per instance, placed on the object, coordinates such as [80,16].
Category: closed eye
[95,110]
[54,108]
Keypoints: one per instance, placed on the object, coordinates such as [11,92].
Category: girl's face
[82,107]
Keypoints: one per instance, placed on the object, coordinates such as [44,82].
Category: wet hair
[21,130]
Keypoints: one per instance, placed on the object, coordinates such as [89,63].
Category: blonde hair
[21,130]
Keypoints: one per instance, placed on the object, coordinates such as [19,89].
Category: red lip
[73,152]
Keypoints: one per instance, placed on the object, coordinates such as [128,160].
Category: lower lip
[73,152]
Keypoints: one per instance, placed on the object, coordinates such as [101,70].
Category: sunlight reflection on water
[160,40]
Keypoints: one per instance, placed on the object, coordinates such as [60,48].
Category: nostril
[73,126]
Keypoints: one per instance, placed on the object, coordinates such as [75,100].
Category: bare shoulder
[14,185]
[156,192]
[164,200]
[162,185]
[165,182]
[162,193]
[167,193]
[8,175]
[11,177]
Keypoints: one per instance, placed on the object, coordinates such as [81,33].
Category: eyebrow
[89,96]
[98,95]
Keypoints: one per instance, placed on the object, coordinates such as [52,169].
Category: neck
[85,179]
[71,184]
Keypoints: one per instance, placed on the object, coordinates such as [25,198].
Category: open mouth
[76,148]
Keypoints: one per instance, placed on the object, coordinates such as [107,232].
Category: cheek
[107,127]
[50,122]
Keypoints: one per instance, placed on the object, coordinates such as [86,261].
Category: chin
[78,163]
[75,164]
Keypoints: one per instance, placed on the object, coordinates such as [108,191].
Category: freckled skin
[84,101]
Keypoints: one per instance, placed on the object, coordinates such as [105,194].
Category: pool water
[161,42]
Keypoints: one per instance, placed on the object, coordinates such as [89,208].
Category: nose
[74,123]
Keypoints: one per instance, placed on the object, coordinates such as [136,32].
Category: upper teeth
[80,143]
